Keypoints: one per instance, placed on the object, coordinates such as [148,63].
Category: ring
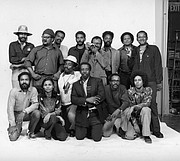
[94,102]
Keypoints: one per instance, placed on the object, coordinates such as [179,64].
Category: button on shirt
[46,61]
[18,101]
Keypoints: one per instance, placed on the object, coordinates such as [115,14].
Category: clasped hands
[94,100]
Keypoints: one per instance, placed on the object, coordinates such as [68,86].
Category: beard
[107,44]
[22,39]
[24,86]
[80,43]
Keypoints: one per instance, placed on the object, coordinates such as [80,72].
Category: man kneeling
[22,106]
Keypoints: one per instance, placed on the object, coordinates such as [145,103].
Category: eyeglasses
[46,37]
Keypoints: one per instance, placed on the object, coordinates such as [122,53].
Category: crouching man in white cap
[67,78]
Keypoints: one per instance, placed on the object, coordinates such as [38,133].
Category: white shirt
[63,80]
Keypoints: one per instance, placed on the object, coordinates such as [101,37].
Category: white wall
[91,16]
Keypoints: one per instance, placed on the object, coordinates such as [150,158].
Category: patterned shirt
[49,104]
[142,98]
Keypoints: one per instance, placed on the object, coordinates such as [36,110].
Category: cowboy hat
[22,29]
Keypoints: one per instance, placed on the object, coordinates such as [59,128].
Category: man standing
[22,105]
[88,95]
[110,53]
[18,51]
[148,60]
[47,60]
[93,56]
[117,102]
[65,82]
[79,49]
[59,37]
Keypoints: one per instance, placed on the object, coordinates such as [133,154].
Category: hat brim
[17,33]
[71,61]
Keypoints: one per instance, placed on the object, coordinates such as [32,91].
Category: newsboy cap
[49,32]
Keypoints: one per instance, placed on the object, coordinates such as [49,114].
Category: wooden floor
[172,121]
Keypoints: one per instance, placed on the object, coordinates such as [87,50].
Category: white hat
[71,58]
[22,29]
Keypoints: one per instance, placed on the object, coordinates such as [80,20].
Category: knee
[63,137]
[36,114]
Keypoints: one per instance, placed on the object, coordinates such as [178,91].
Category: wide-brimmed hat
[71,58]
[22,29]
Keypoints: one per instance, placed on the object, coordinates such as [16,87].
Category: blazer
[78,97]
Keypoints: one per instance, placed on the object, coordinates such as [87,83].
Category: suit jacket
[78,97]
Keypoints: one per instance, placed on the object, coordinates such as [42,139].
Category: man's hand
[94,100]
[109,118]
[61,120]
[159,86]
[116,113]
[36,76]
[46,118]
[23,59]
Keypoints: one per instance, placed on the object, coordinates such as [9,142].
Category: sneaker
[147,139]
[158,134]
[31,135]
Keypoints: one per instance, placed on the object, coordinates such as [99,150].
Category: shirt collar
[29,89]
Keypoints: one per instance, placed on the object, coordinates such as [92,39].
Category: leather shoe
[72,133]
[31,136]
[147,139]
[158,135]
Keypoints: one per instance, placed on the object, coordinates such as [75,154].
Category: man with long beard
[22,106]
[18,51]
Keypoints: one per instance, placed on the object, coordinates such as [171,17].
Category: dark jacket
[78,97]
[116,100]
[16,53]
[151,63]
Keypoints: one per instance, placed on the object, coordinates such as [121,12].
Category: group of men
[94,103]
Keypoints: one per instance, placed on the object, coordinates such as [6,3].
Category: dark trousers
[53,128]
[94,130]
[33,117]
[155,126]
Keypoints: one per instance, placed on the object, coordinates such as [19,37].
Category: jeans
[33,117]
